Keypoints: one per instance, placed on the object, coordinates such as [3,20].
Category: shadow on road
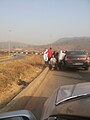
[85,76]
[33,104]
[72,74]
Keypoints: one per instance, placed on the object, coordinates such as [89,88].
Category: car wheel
[50,67]
[63,66]
[86,68]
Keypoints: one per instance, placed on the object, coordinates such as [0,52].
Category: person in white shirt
[45,56]
[60,58]
[53,63]
[53,60]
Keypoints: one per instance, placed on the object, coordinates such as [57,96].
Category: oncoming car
[76,59]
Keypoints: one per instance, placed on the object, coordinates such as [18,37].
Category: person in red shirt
[50,54]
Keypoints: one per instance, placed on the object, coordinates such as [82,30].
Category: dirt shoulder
[16,75]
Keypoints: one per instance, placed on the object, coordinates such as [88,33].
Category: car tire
[50,67]
[63,66]
[86,68]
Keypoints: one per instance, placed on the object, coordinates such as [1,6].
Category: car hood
[76,107]
[82,88]
[71,91]
[61,101]
[74,104]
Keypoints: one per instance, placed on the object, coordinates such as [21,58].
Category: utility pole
[9,46]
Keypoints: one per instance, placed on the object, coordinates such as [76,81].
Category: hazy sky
[43,21]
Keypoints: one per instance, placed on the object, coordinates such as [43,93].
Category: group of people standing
[53,56]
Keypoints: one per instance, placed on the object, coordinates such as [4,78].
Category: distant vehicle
[76,59]
[14,54]
[69,102]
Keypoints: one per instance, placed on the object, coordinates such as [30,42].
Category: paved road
[53,80]
[14,58]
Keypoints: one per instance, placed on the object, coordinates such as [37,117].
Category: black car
[76,59]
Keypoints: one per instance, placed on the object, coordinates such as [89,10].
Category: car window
[76,53]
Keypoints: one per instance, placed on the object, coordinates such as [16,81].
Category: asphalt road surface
[14,58]
[53,80]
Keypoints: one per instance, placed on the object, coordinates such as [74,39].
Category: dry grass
[4,55]
[12,71]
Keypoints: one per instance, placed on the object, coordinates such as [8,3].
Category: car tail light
[67,59]
[87,59]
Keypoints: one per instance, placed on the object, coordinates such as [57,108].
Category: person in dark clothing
[56,56]
[54,52]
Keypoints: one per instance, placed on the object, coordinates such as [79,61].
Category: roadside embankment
[28,91]
[16,75]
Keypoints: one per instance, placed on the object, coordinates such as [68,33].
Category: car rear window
[76,53]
